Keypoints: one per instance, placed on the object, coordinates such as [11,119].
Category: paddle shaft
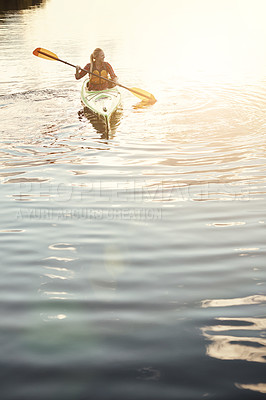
[91,73]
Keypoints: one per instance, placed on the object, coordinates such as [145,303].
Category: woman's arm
[111,73]
[80,72]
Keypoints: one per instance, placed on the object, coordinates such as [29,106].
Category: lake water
[133,264]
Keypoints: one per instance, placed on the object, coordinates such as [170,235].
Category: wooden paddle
[140,93]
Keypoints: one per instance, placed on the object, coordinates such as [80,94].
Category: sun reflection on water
[236,347]
[255,299]
[247,338]
[260,387]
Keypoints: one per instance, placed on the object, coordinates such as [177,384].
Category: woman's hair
[95,53]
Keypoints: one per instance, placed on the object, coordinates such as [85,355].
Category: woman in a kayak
[98,67]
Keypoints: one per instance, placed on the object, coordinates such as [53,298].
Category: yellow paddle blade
[43,53]
[143,95]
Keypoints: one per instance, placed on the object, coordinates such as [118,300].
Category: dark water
[132,266]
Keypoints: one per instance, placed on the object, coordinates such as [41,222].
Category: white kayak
[103,103]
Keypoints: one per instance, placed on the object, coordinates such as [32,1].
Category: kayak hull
[103,103]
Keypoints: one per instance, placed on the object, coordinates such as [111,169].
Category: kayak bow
[103,103]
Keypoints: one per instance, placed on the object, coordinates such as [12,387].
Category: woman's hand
[78,69]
